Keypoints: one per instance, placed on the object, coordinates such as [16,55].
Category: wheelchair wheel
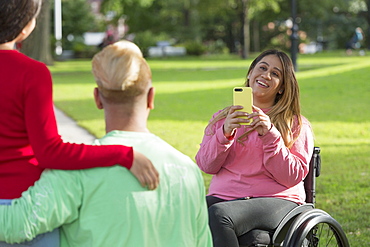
[319,231]
[297,223]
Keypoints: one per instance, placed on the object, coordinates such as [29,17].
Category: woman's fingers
[261,122]
[143,169]
[233,120]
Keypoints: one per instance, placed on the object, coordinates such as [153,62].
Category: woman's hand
[233,120]
[261,122]
[144,171]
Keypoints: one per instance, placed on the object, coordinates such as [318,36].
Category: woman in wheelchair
[258,163]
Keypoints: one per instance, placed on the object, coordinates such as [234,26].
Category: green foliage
[257,6]
[147,39]
[216,47]
[118,6]
[329,21]
[144,40]
[84,51]
[335,97]
[77,17]
[177,18]
[76,20]
[208,21]
[194,48]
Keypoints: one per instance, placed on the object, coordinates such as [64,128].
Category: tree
[243,25]
[366,15]
[331,21]
[76,20]
[180,18]
[37,45]
[252,8]
[187,12]
[233,17]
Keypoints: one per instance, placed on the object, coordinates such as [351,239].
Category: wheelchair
[304,226]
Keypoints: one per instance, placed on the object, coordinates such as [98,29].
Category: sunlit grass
[335,97]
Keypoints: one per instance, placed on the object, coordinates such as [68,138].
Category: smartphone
[243,96]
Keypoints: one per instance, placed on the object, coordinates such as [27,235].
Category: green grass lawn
[335,96]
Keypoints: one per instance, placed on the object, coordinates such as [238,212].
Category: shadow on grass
[175,76]
[343,97]
[322,101]
[197,75]
[307,67]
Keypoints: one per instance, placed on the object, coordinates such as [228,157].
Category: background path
[70,131]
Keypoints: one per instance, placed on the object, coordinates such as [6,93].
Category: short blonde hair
[121,72]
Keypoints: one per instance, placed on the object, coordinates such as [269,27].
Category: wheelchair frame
[302,226]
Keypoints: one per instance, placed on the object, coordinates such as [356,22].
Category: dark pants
[230,219]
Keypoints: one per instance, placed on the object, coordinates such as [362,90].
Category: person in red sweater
[29,139]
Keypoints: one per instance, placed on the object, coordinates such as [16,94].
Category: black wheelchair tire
[322,230]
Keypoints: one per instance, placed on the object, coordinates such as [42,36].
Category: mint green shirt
[109,207]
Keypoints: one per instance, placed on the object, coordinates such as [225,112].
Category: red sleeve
[49,149]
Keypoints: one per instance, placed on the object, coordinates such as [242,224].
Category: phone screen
[243,96]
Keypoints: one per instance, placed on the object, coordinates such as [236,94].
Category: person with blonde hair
[108,206]
[257,169]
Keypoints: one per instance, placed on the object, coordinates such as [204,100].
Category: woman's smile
[262,83]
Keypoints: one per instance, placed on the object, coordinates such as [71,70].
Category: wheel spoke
[322,235]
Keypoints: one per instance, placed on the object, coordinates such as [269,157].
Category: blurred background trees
[212,26]
[38,45]
[241,26]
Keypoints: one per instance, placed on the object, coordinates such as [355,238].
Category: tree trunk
[191,21]
[256,36]
[230,38]
[37,45]
[186,13]
[246,36]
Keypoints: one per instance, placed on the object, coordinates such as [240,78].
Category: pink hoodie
[261,166]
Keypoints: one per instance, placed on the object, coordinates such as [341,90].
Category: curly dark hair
[15,15]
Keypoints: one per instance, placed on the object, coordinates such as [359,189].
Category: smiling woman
[266,160]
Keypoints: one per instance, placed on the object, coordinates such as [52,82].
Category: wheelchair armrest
[284,224]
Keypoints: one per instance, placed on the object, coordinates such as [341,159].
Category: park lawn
[335,97]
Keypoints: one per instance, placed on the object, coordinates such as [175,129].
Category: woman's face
[266,79]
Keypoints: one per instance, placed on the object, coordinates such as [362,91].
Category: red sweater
[29,139]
